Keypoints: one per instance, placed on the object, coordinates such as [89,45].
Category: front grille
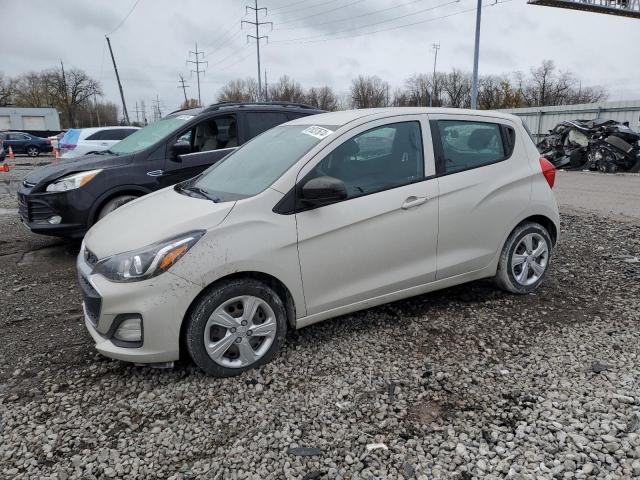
[23,208]
[34,210]
[92,300]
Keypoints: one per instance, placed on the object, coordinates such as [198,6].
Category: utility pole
[124,105]
[476,58]
[436,47]
[266,86]
[184,89]
[157,112]
[66,96]
[197,62]
[143,108]
[257,24]
[137,113]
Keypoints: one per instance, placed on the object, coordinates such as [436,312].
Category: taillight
[548,170]
[48,141]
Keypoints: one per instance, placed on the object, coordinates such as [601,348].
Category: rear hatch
[69,141]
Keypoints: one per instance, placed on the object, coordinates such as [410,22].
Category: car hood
[153,218]
[59,169]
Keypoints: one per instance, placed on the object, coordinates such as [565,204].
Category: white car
[317,218]
[77,142]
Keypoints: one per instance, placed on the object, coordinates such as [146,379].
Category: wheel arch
[546,222]
[278,286]
[111,194]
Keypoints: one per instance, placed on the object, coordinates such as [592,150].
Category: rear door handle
[413,202]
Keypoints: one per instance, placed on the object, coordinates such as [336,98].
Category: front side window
[467,145]
[212,134]
[151,134]
[260,162]
[378,159]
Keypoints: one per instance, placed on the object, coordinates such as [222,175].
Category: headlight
[149,261]
[71,182]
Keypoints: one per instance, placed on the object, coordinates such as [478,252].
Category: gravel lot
[465,383]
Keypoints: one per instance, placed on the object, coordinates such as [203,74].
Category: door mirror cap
[323,191]
[180,148]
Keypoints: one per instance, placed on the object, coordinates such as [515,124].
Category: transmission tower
[197,62]
[257,24]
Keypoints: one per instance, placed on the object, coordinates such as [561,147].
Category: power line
[135,4]
[315,39]
[257,24]
[221,40]
[322,13]
[289,5]
[349,18]
[305,8]
[197,63]
[451,2]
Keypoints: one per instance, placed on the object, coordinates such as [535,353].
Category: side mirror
[323,191]
[180,148]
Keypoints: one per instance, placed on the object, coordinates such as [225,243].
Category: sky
[316,42]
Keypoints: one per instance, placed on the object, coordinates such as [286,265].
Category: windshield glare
[254,167]
[150,134]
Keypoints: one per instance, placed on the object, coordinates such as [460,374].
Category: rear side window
[465,145]
[95,135]
[258,122]
[116,134]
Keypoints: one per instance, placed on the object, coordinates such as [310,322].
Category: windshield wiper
[199,191]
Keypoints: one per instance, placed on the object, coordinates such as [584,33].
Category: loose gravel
[465,383]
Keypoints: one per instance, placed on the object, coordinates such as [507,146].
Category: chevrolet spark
[317,218]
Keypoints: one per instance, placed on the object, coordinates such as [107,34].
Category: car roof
[338,119]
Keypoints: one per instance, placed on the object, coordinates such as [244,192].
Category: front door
[210,141]
[382,238]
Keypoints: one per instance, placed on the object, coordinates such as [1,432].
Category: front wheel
[525,258]
[236,327]
[114,203]
[33,151]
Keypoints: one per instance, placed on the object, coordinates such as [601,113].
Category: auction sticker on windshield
[318,132]
[184,117]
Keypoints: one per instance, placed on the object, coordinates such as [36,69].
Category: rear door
[110,137]
[485,184]
[209,141]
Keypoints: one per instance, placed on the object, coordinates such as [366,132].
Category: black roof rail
[217,106]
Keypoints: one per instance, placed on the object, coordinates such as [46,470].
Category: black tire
[197,321]
[114,203]
[32,151]
[505,278]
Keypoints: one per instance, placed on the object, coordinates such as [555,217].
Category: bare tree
[286,90]
[369,92]
[6,91]
[189,103]
[76,88]
[323,98]
[456,87]
[418,87]
[240,90]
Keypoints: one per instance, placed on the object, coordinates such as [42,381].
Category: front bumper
[161,301]
[72,206]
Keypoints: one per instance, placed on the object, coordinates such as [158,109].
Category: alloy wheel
[530,259]
[240,331]
[32,151]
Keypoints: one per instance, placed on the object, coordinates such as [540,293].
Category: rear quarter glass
[71,137]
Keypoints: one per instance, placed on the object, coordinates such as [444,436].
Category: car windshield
[254,167]
[147,136]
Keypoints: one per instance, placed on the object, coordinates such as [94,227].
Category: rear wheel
[114,203]
[33,151]
[235,327]
[524,259]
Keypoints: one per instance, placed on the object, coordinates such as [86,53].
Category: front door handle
[413,202]
[156,173]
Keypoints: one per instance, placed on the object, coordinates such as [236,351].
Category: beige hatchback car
[317,218]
